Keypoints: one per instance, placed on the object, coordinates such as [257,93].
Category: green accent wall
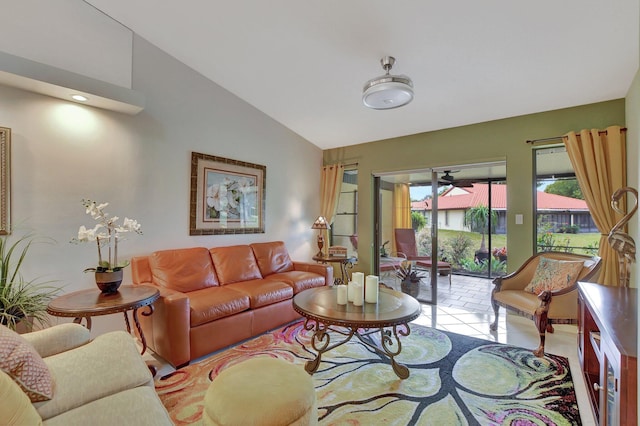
[489,141]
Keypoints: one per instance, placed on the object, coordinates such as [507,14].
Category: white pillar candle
[342,294]
[358,277]
[351,290]
[358,294]
[371,289]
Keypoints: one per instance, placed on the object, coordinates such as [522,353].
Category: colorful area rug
[454,380]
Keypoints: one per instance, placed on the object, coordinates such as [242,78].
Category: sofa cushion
[235,263]
[16,408]
[272,257]
[183,270]
[109,364]
[552,275]
[299,280]
[211,304]
[138,406]
[264,292]
[23,364]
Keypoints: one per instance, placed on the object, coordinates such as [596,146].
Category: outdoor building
[562,214]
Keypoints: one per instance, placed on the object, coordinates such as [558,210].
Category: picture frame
[227,196]
[5,181]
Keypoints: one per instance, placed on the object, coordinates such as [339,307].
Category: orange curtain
[401,212]
[330,192]
[599,160]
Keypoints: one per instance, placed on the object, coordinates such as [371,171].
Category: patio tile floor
[468,293]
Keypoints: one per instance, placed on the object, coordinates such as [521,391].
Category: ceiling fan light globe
[387,92]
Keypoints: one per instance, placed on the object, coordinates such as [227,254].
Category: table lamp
[320,224]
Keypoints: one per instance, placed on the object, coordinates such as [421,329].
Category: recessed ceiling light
[79,98]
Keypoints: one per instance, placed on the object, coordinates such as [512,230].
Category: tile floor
[465,308]
[468,293]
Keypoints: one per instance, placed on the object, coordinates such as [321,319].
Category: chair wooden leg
[496,311]
[541,320]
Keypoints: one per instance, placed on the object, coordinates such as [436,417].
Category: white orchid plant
[106,234]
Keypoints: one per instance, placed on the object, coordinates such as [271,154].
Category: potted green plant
[106,234]
[383,249]
[409,278]
[21,300]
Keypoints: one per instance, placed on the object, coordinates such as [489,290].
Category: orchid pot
[109,282]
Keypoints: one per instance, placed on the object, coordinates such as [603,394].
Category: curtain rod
[343,165]
[532,141]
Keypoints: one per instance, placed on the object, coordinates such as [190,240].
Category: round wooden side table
[345,263]
[89,303]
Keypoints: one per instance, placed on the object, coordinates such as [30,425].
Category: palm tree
[477,219]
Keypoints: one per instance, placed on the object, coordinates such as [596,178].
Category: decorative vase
[411,288]
[109,282]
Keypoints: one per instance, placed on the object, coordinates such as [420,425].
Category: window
[563,220]
[344,231]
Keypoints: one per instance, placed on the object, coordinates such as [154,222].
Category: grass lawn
[500,240]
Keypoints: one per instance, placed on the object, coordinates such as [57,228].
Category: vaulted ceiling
[304,63]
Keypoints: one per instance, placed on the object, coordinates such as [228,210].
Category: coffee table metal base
[390,345]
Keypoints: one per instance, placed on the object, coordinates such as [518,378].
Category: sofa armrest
[111,363]
[325,270]
[167,330]
[59,338]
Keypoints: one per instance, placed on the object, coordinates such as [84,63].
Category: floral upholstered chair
[545,290]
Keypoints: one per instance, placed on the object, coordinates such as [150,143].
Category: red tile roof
[465,198]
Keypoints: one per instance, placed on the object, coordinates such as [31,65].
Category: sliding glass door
[442,222]
[398,239]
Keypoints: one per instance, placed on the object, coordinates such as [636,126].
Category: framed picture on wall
[5,181]
[227,196]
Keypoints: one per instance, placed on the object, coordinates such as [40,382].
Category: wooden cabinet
[607,348]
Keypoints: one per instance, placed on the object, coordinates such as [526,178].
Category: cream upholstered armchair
[545,290]
[58,376]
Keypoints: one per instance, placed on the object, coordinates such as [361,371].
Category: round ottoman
[261,391]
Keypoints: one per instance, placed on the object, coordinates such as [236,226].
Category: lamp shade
[320,223]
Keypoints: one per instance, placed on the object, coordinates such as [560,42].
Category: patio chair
[390,264]
[406,243]
[545,290]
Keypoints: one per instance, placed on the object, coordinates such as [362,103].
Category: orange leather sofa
[213,298]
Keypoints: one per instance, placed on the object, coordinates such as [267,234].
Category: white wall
[451,219]
[632,112]
[63,152]
[68,34]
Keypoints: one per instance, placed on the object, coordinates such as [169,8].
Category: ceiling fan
[447,179]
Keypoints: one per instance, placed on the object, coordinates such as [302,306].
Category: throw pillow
[552,275]
[16,409]
[24,365]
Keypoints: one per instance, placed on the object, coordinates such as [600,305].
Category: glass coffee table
[390,317]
